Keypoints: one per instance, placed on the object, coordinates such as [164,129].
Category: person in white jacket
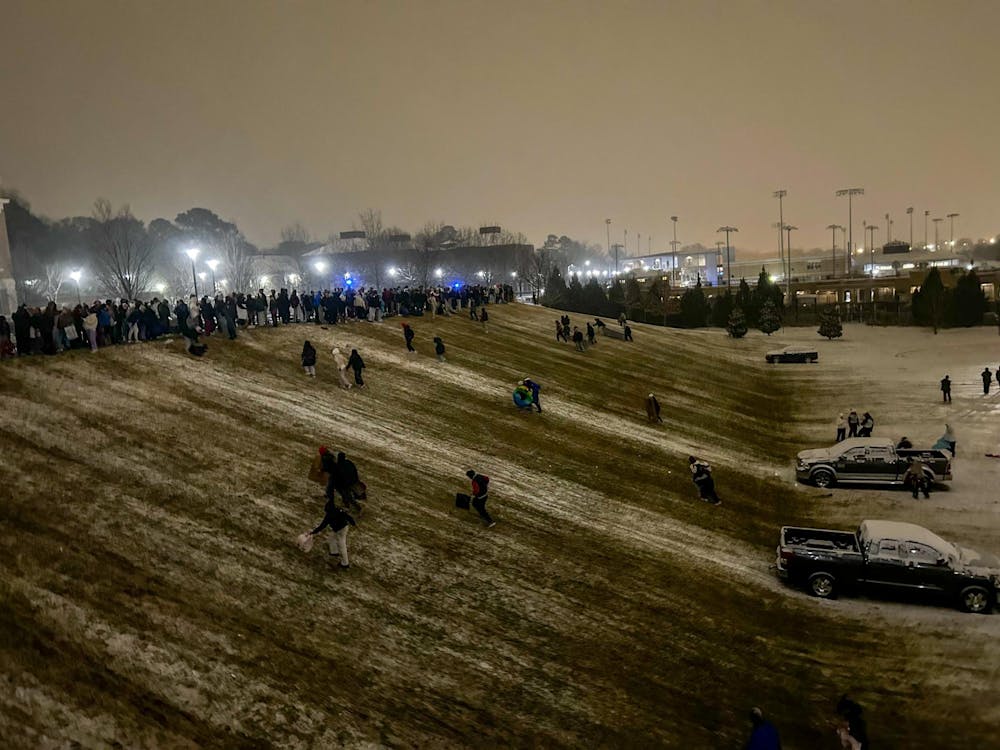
[341,364]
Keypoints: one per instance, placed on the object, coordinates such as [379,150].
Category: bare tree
[122,250]
[55,277]
[237,260]
[376,241]
[295,233]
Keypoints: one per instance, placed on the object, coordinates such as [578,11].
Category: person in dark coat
[591,339]
[653,409]
[439,348]
[987,379]
[853,421]
[701,475]
[357,364]
[22,328]
[561,333]
[339,520]
[484,318]
[628,332]
[345,480]
[946,389]
[480,494]
[867,425]
[578,339]
[763,735]
[856,727]
[535,388]
[408,335]
[309,359]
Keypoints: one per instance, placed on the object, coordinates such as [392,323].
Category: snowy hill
[154,596]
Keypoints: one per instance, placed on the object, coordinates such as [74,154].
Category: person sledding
[534,387]
[701,475]
[522,397]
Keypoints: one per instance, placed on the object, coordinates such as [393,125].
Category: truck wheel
[822,585]
[823,478]
[976,599]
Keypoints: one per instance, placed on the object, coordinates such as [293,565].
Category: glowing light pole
[909,212]
[780,195]
[788,254]
[952,218]
[936,223]
[850,193]
[673,254]
[212,265]
[833,233]
[607,224]
[926,216]
[727,230]
[192,253]
[872,229]
[75,275]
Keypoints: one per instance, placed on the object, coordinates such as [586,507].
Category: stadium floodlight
[192,253]
[320,265]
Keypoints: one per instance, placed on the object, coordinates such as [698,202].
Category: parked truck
[884,556]
[868,460]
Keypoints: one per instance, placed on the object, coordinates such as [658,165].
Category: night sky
[542,117]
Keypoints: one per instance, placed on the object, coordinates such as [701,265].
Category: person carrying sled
[480,494]
[701,475]
[341,366]
[534,388]
[338,520]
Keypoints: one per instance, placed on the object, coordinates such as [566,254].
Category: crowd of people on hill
[54,328]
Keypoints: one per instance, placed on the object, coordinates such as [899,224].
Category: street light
[75,275]
[780,195]
[850,193]
[192,253]
[212,264]
[872,229]
[727,230]
[607,223]
[320,266]
[438,272]
[673,254]
[926,216]
[788,247]
[952,217]
[936,223]
[909,212]
[833,232]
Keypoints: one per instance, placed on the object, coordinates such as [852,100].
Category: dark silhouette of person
[653,409]
[946,389]
[628,332]
[987,379]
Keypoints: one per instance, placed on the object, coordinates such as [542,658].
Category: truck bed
[819,539]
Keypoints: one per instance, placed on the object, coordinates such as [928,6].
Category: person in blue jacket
[764,735]
[535,388]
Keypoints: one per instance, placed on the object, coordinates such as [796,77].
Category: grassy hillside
[154,597]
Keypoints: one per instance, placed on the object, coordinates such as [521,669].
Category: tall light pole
[936,223]
[872,228]
[952,217]
[788,254]
[780,195]
[926,216]
[213,264]
[729,279]
[673,254]
[909,212]
[833,234]
[192,253]
[607,224]
[75,275]
[888,228]
[850,193]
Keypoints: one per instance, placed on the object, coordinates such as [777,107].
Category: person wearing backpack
[701,475]
[480,494]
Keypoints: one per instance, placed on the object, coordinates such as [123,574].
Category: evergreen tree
[694,307]
[769,320]
[744,297]
[737,324]
[555,290]
[968,301]
[721,309]
[632,295]
[761,293]
[595,302]
[829,323]
[929,301]
[574,295]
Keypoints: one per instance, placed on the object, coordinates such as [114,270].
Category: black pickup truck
[888,556]
[868,460]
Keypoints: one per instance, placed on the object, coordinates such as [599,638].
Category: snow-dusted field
[154,597]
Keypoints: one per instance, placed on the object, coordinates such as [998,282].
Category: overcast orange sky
[544,117]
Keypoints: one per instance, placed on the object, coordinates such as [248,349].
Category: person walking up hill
[309,359]
[480,494]
[357,364]
[946,390]
[409,335]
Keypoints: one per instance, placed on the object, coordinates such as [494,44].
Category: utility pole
[952,217]
[909,213]
[926,215]
[936,223]
[872,228]
[833,232]
[673,254]
[718,258]
[788,247]
[888,228]
[850,193]
[727,230]
[780,195]
[607,224]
